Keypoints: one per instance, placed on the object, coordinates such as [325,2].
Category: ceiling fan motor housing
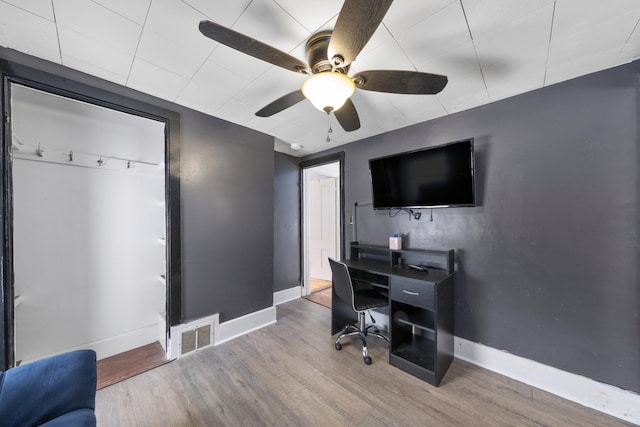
[316,47]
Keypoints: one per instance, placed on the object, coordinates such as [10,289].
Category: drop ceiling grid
[42,8]
[79,52]
[489,49]
[24,30]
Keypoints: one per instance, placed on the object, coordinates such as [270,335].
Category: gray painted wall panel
[227,218]
[548,261]
[286,252]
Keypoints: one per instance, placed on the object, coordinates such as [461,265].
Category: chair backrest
[342,285]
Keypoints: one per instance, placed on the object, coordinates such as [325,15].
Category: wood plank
[289,374]
[133,362]
[319,284]
[322,297]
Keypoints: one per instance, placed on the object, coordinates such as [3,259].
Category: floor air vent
[195,339]
[187,338]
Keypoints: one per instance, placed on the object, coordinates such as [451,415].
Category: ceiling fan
[330,54]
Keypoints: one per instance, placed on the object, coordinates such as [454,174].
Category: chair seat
[366,299]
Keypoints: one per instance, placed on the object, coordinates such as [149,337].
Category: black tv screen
[439,176]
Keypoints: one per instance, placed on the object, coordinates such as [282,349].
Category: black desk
[420,305]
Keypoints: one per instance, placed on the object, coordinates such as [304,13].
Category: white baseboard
[602,397]
[287,295]
[113,345]
[245,324]
[124,342]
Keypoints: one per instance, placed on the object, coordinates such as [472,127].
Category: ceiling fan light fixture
[329,90]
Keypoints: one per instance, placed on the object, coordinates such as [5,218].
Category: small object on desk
[395,242]
[422,268]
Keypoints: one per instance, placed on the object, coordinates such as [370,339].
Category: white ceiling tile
[133,10]
[90,68]
[527,37]
[418,108]
[99,23]
[42,8]
[460,60]
[573,16]
[566,70]
[514,56]
[28,33]
[273,84]
[91,56]
[312,15]
[631,50]
[211,87]
[510,42]
[378,107]
[222,12]
[178,21]
[603,37]
[236,112]
[170,55]
[150,78]
[485,16]
[197,105]
[271,25]
[436,35]
[245,65]
[514,84]
[292,131]
[402,15]
[463,92]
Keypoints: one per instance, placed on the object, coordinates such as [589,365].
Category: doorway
[322,207]
[89,227]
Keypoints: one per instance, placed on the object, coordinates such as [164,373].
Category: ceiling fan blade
[395,81]
[357,21]
[281,103]
[348,116]
[251,46]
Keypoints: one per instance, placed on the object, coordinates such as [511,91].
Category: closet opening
[88,195]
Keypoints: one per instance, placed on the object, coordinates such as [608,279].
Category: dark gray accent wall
[548,261]
[227,218]
[286,243]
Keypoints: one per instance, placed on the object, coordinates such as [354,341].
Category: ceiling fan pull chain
[330,130]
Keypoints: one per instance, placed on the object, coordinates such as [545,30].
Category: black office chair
[361,300]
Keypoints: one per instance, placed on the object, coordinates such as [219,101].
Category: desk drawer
[414,292]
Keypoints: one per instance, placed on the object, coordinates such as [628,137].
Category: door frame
[56,85]
[307,164]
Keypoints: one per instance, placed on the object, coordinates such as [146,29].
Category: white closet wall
[88,241]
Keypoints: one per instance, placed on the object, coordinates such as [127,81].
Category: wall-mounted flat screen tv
[433,177]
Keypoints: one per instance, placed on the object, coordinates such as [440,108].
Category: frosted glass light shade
[328,91]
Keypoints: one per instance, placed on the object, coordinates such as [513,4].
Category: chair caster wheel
[338,346]
[367,360]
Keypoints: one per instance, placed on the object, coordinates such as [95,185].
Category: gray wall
[548,261]
[286,243]
[227,218]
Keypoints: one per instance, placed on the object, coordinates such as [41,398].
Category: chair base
[363,331]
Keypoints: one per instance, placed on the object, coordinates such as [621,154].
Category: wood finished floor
[133,362]
[289,374]
[319,284]
[322,297]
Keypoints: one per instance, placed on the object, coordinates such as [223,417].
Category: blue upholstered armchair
[57,391]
